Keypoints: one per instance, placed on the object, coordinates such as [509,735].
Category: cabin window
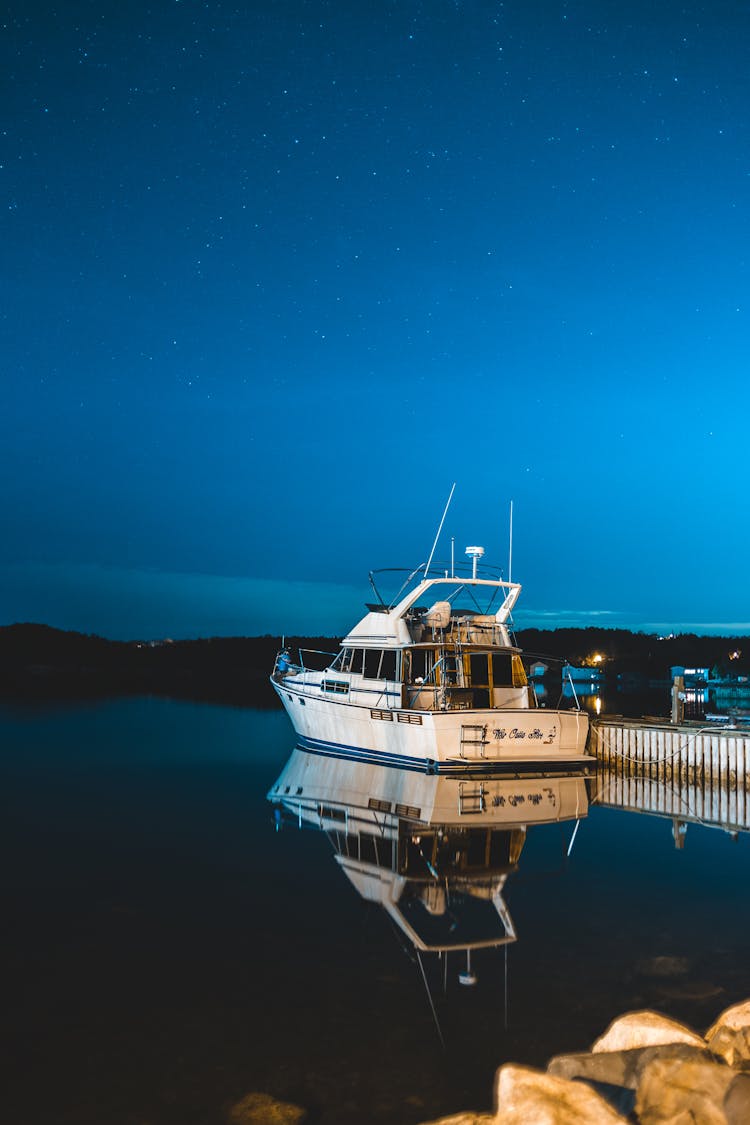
[479,669]
[348,660]
[351,660]
[422,665]
[336,687]
[501,669]
[372,663]
[379,664]
[419,665]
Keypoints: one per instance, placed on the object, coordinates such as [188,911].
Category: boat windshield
[390,586]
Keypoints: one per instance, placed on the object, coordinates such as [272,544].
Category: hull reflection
[433,851]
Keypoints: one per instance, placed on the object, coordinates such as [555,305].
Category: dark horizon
[583,630]
[40,664]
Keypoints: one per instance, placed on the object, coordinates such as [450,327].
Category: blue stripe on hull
[428,765]
[370,757]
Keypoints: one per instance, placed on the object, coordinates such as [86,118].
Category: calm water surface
[166,951]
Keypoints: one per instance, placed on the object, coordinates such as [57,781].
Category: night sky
[275,275]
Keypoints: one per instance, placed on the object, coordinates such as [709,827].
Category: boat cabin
[437,675]
[444,646]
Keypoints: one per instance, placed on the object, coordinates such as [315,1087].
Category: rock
[614,1067]
[644,1029]
[679,1092]
[525,1096]
[622,1068]
[737,1101]
[262,1109]
[730,1034]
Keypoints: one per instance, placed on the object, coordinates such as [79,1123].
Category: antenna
[475,554]
[434,545]
[510,546]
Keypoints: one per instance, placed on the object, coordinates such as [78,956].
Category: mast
[434,545]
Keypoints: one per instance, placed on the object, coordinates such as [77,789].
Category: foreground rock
[730,1035]
[622,1068]
[676,1090]
[525,1095]
[646,1068]
[645,1029]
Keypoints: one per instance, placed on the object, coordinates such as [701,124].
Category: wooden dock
[689,772]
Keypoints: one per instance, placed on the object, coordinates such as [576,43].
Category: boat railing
[455,570]
[285,666]
[314,665]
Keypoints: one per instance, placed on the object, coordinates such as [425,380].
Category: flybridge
[463,610]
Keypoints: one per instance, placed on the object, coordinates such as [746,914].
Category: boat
[434,852]
[432,681]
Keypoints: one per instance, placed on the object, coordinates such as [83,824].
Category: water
[166,951]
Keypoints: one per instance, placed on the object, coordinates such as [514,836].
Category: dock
[689,772]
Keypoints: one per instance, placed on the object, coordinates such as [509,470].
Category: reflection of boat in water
[434,852]
[431,681]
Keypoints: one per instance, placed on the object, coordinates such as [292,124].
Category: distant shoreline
[40,664]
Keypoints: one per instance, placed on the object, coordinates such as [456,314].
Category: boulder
[729,1036]
[621,1068]
[262,1109]
[614,1067]
[737,1101]
[525,1095]
[680,1092]
[644,1029]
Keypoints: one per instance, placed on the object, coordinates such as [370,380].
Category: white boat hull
[436,741]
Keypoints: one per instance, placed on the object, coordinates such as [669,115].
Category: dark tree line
[40,663]
[642,653]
